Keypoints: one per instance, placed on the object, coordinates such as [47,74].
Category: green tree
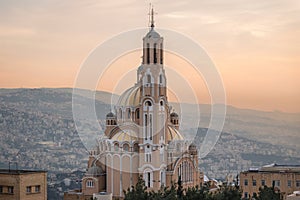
[228,193]
[139,191]
[269,193]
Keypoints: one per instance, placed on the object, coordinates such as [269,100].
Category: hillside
[38,131]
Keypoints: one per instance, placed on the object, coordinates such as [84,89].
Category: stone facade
[286,178]
[142,135]
[23,185]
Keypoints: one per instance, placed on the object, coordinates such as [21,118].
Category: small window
[116,147]
[37,188]
[289,183]
[253,182]
[90,183]
[126,147]
[1,189]
[10,189]
[246,182]
[246,194]
[149,179]
[148,78]
[297,183]
[28,189]
[276,183]
[263,182]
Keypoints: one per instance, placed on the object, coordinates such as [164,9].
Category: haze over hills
[37,129]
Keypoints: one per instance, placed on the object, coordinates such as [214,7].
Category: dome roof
[125,135]
[152,34]
[94,171]
[130,97]
[173,134]
[110,114]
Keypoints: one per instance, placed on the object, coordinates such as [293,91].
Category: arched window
[148,178]
[160,79]
[148,78]
[125,147]
[128,113]
[148,53]
[89,183]
[161,53]
[116,147]
[137,113]
[155,53]
[136,147]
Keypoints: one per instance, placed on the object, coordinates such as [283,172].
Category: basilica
[142,136]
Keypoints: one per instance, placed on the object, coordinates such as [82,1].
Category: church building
[142,135]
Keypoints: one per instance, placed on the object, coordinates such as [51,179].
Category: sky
[255,44]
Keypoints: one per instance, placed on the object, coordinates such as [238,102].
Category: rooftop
[276,168]
[21,171]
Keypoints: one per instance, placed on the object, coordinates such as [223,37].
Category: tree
[139,191]
[228,193]
[269,193]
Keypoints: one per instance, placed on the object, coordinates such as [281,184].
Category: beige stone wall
[20,182]
[269,177]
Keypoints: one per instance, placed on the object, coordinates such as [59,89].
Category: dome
[173,134]
[152,34]
[94,171]
[130,97]
[174,114]
[125,135]
[110,115]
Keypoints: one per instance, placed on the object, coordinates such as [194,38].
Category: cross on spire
[151,18]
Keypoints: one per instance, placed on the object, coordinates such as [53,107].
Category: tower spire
[151,16]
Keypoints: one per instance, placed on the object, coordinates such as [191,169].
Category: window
[246,194]
[148,157]
[263,182]
[161,53]
[137,113]
[90,183]
[129,114]
[1,189]
[246,182]
[37,188]
[148,179]
[148,53]
[148,78]
[116,146]
[126,147]
[28,189]
[10,189]
[289,183]
[276,183]
[253,182]
[155,53]
[297,183]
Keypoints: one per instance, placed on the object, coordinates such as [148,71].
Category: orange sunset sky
[254,44]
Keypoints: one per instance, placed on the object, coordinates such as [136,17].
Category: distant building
[142,136]
[285,178]
[23,185]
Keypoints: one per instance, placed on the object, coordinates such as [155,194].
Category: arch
[126,147]
[137,113]
[116,146]
[136,147]
[148,177]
